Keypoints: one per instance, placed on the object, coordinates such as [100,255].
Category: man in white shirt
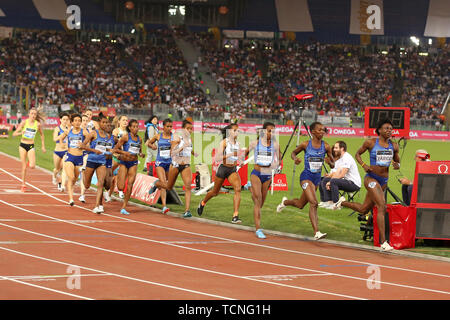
[345,176]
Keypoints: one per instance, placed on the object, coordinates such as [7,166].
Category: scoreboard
[399,116]
[431,197]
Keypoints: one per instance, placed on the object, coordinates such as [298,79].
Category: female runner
[132,148]
[315,151]
[267,155]
[60,151]
[228,156]
[28,129]
[382,152]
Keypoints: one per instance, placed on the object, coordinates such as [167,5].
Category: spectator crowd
[255,77]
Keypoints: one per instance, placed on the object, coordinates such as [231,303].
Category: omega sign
[443,168]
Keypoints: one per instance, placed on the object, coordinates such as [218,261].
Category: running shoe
[59,186]
[165,210]
[82,199]
[97,210]
[200,208]
[187,214]
[121,195]
[236,219]
[319,235]
[71,203]
[125,212]
[281,206]
[386,246]
[153,187]
[101,208]
[106,196]
[338,204]
[260,234]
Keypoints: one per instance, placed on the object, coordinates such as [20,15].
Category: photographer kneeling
[407,185]
[345,176]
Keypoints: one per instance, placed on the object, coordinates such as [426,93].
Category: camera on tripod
[366,225]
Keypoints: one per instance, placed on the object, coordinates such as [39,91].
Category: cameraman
[407,185]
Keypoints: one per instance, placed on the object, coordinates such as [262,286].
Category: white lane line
[44,288]
[170,263]
[51,277]
[242,258]
[114,274]
[247,259]
[236,241]
[249,243]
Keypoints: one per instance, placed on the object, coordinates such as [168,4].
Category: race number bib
[29,133]
[101,146]
[75,142]
[384,157]
[164,152]
[315,164]
[134,148]
[264,158]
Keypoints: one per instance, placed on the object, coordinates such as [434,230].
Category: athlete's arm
[120,143]
[396,163]
[301,147]
[18,131]
[367,145]
[330,155]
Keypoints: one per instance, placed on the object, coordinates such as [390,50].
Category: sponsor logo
[443,168]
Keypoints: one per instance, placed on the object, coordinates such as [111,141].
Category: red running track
[49,250]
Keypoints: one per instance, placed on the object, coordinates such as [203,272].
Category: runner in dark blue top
[382,152]
[163,157]
[74,158]
[132,148]
[98,144]
[315,151]
[109,163]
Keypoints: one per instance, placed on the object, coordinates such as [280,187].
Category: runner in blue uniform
[60,151]
[98,144]
[315,151]
[132,148]
[382,153]
[163,157]
[267,159]
[74,157]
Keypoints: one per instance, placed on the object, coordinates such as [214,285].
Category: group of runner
[84,146]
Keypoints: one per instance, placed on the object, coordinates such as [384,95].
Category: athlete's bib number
[29,133]
[134,148]
[75,142]
[101,146]
[164,152]
[315,164]
[264,159]
[384,157]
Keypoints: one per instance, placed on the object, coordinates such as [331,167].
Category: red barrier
[402,226]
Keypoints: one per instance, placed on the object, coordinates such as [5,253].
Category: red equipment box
[400,222]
